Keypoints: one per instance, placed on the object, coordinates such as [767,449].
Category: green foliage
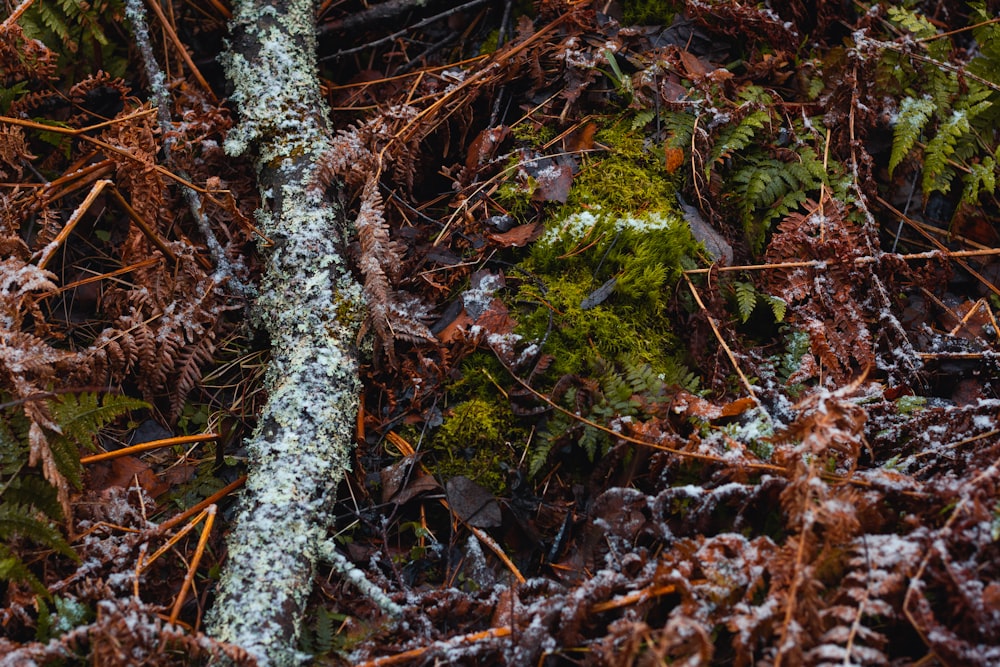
[648,12]
[319,637]
[29,504]
[986,64]
[747,298]
[953,114]
[473,442]
[679,128]
[81,30]
[735,137]
[914,23]
[68,614]
[766,162]
[613,396]
[913,116]
[606,271]
[909,405]
[80,417]
[786,364]
[766,189]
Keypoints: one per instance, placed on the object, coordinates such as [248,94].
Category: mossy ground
[620,229]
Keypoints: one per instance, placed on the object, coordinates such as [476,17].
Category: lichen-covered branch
[311,307]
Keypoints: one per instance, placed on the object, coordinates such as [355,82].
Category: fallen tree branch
[311,307]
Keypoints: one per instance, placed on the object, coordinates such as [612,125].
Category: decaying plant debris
[677,346]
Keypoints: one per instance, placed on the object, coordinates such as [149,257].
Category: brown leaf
[674,159]
[402,481]
[553,183]
[455,328]
[694,66]
[472,503]
[519,236]
[583,139]
[484,146]
[124,472]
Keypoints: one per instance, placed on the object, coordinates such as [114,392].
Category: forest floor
[681,345]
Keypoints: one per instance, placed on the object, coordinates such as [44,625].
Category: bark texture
[311,307]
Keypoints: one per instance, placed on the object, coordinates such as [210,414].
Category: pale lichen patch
[311,307]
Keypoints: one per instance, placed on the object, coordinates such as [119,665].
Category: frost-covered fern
[735,138]
[952,113]
[909,124]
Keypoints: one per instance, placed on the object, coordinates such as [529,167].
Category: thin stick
[722,342]
[101,276]
[399,33]
[940,246]
[198,552]
[172,34]
[634,597]
[53,245]
[816,263]
[148,230]
[211,500]
[16,14]
[146,446]
[412,654]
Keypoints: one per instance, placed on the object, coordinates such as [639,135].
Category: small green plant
[613,396]
[31,503]
[81,29]
[66,615]
[748,298]
[947,119]
[767,164]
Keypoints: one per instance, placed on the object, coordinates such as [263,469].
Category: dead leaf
[472,503]
[519,236]
[674,159]
[552,183]
[124,472]
[694,66]
[583,139]
[484,146]
[404,481]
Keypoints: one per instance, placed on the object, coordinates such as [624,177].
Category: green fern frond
[542,446]
[66,454]
[746,299]
[13,441]
[29,504]
[735,138]
[23,521]
[643,379]
[679,127]
[13,568]
[913,116]
[982,177]
[68,614]
[643,118]
[768,189]
[987,34]
[34,491]
[779,307]
[80,29]
[937,174]
[82,415]
[54,20]
[916,24]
